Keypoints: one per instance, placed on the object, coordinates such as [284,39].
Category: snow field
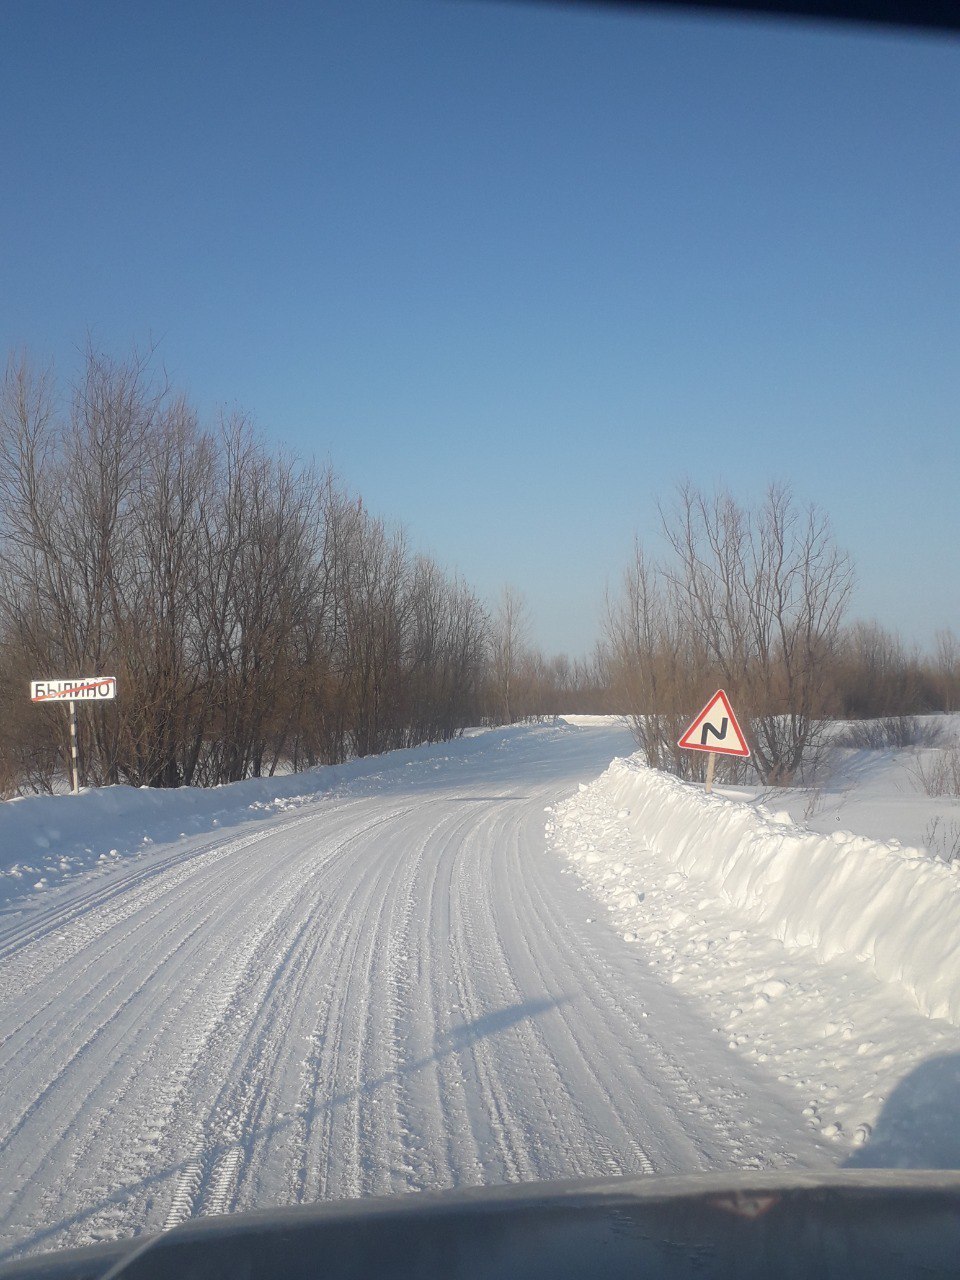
[831,961]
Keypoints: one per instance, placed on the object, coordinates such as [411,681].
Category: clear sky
[516,269]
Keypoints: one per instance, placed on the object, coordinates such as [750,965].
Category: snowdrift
[893,907]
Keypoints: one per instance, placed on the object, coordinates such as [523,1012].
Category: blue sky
[516,269]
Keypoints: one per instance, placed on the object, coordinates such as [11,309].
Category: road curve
[394,989]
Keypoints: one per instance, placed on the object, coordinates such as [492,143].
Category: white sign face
[716,729]
[86,689]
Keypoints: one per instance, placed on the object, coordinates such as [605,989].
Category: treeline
[877,675]
[254,613]
[753,599]
[258,617]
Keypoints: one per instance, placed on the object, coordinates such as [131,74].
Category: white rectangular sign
[85,689]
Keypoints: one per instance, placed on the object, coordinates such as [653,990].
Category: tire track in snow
[309,1178]
[156,1105]
[220,1144]
[338,1073]
[437,1098]
[388,1132]
[200,1006]
[51,1083]
[590,1038]
[582,1043]
[331,1084]
[53,943]
[165,946]
[21,1065]
[505,1133]
[55,920]
[557,1139]
[249,1063]
[368,1154]
[408,1051]
[231,1127]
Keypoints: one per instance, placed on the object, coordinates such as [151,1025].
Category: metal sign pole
[73,746]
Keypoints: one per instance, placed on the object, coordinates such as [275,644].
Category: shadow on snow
[454,1041]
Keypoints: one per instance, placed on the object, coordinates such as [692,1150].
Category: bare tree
[947,670]
[752,599]
[762,593]
[254,613]
[508,642]
[69,508]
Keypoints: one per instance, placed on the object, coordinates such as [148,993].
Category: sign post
[86,689]
[716,731]
[74,766]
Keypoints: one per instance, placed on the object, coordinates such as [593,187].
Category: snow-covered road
[393,988]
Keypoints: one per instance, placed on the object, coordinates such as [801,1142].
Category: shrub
[943,839]
[890,733]
[940,774]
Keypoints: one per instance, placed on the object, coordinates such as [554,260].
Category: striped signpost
[85,689]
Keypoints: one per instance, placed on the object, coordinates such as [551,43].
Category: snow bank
[596,722]
[848,896]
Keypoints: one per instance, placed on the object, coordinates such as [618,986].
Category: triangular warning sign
[716,729]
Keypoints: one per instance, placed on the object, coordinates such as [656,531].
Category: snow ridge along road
[399,988]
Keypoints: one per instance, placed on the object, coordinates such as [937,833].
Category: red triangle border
[702,715]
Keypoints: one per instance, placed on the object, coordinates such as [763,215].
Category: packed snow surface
[468,964]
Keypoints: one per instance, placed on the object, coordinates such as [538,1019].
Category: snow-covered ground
[497,960]
[47,840]
[819,930]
